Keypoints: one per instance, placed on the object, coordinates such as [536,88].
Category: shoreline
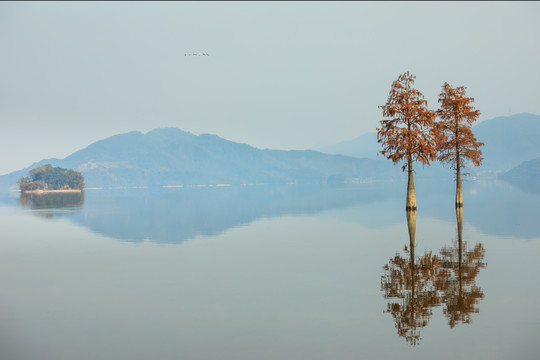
[41,192]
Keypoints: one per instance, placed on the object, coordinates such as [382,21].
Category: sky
[280,75]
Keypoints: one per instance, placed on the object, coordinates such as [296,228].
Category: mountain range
[509,140]
[511,150]
[172,157]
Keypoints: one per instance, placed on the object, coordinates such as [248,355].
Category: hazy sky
[280,75]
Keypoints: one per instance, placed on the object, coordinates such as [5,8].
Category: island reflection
[414,285]
[52,204]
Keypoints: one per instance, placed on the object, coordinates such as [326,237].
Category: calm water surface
[271,272]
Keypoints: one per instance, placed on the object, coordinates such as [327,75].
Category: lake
[271,272]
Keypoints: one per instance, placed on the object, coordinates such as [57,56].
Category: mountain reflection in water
[414,285]
[173,215]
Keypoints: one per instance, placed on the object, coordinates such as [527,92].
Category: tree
[409,134]
[23,184]
[456,142]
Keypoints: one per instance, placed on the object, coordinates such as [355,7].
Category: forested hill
[48,178]
[171,156]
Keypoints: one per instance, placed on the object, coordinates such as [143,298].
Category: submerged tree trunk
[411,223]
[459,216]
[411,195]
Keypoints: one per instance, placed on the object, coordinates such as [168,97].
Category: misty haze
[245,180]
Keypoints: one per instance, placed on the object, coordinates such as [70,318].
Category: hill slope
[509,140]
[175,157]
[526,175]
[363,146]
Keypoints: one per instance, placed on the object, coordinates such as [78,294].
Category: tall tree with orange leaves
[457,143]
[408,135]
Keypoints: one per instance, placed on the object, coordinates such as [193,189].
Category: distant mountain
[526,175]
[509,140]
[364,146]
[175,157]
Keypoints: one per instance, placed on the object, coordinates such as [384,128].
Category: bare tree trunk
[459,196]
[459,216]
[411,195]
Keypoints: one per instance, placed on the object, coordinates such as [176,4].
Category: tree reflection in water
[408,283]
[414,285]
[458,270]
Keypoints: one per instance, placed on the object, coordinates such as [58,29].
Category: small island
[48,179]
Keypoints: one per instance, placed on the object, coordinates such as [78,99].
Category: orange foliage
[456,140]
[409,133]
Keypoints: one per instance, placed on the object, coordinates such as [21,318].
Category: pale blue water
[269,272]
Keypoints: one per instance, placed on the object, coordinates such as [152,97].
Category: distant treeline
[48,178]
